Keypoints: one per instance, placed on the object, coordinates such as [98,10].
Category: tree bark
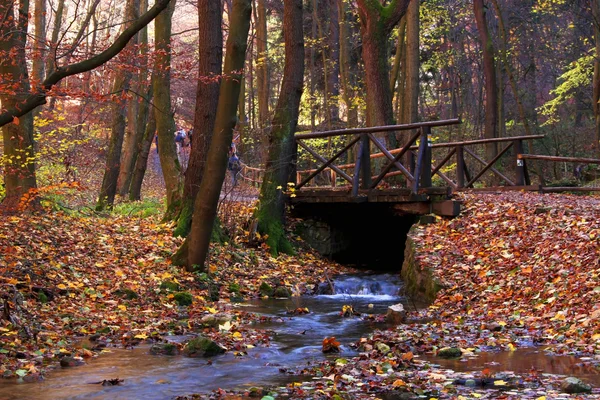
[348,62]
[210,49]
[270,213]
[141,161]
[165,122]
[376,24]
[596,80]
[39,53]
[120,92]
[489,72]
[205,205]
[411,94]
[262,64]
[137,111]
[19,157]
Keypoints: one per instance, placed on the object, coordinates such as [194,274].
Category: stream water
[297,341]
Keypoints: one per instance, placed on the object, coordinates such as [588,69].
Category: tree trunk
[596,82]
[137,112]
[210,49]
[141,162]
[205,205]
[19,164]
[489,72]
[282,146]
[262,64]
[348,62]
[411,94]
[165,123]
[333,69]
[120,91]
[39,48]
[376,23]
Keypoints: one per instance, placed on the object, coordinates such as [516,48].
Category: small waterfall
[373,286]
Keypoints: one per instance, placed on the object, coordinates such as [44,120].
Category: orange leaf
[15,120]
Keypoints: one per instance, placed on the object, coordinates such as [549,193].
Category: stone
[282,292]
[265,289]
[396,314]
[68,361]
[214,320]
[167,349]
[574,385]
[183,298]
[324,288]
[202,347]
[169,286]
[449,352]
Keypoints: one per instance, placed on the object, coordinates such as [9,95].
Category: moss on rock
[202,347]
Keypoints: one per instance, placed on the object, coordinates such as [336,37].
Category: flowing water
[297,341]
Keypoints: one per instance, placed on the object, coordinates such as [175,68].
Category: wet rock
[202,347]
[214,320]
[282,292]
[396,314]
[69,361]
[167,349]
[256,392]
[265,289]
[449,352]
[397,395]
[574,385]
[324,288]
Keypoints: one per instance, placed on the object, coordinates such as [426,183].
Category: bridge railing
[362,176]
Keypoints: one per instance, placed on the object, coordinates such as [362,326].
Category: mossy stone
[183,298]
[234,287]
[169,286]
[202,347]
[127,294]
[42,298]
[167,349]
[449,352]
[265,289]
[282,291]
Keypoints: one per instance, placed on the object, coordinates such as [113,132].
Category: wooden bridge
[416,178]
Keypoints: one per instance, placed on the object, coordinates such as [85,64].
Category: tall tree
[210,50]
[165,122]
[205,206]
[376,24]
[120,92]
[270,213]
[596,80]
[348,62]
[137,112]
[262,63]
[411,92]
[19,165]
[489,73]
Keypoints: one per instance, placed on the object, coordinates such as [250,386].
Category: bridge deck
[344,195]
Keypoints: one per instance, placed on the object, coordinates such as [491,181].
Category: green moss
[127,293]
[282,292]
[42,298]
[234,287]
[169,286]
[183,298]
[265,289]
[202,347]
[184,222]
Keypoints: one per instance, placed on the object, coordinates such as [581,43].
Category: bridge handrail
[558,159]
[376,129]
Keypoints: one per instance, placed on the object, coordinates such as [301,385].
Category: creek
[296,342]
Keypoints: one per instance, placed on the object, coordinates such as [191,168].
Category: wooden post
[519,163]
[426,167]
[460,167]
[357,169]
[333,177]
[365,160]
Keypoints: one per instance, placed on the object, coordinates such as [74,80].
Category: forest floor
[518,269]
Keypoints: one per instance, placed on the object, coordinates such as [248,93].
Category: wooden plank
[419,208]
[530,188]
[488,166]
[394,159]
[448,208]
[327,163]
[375,129]
[559,159]
[569,189]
